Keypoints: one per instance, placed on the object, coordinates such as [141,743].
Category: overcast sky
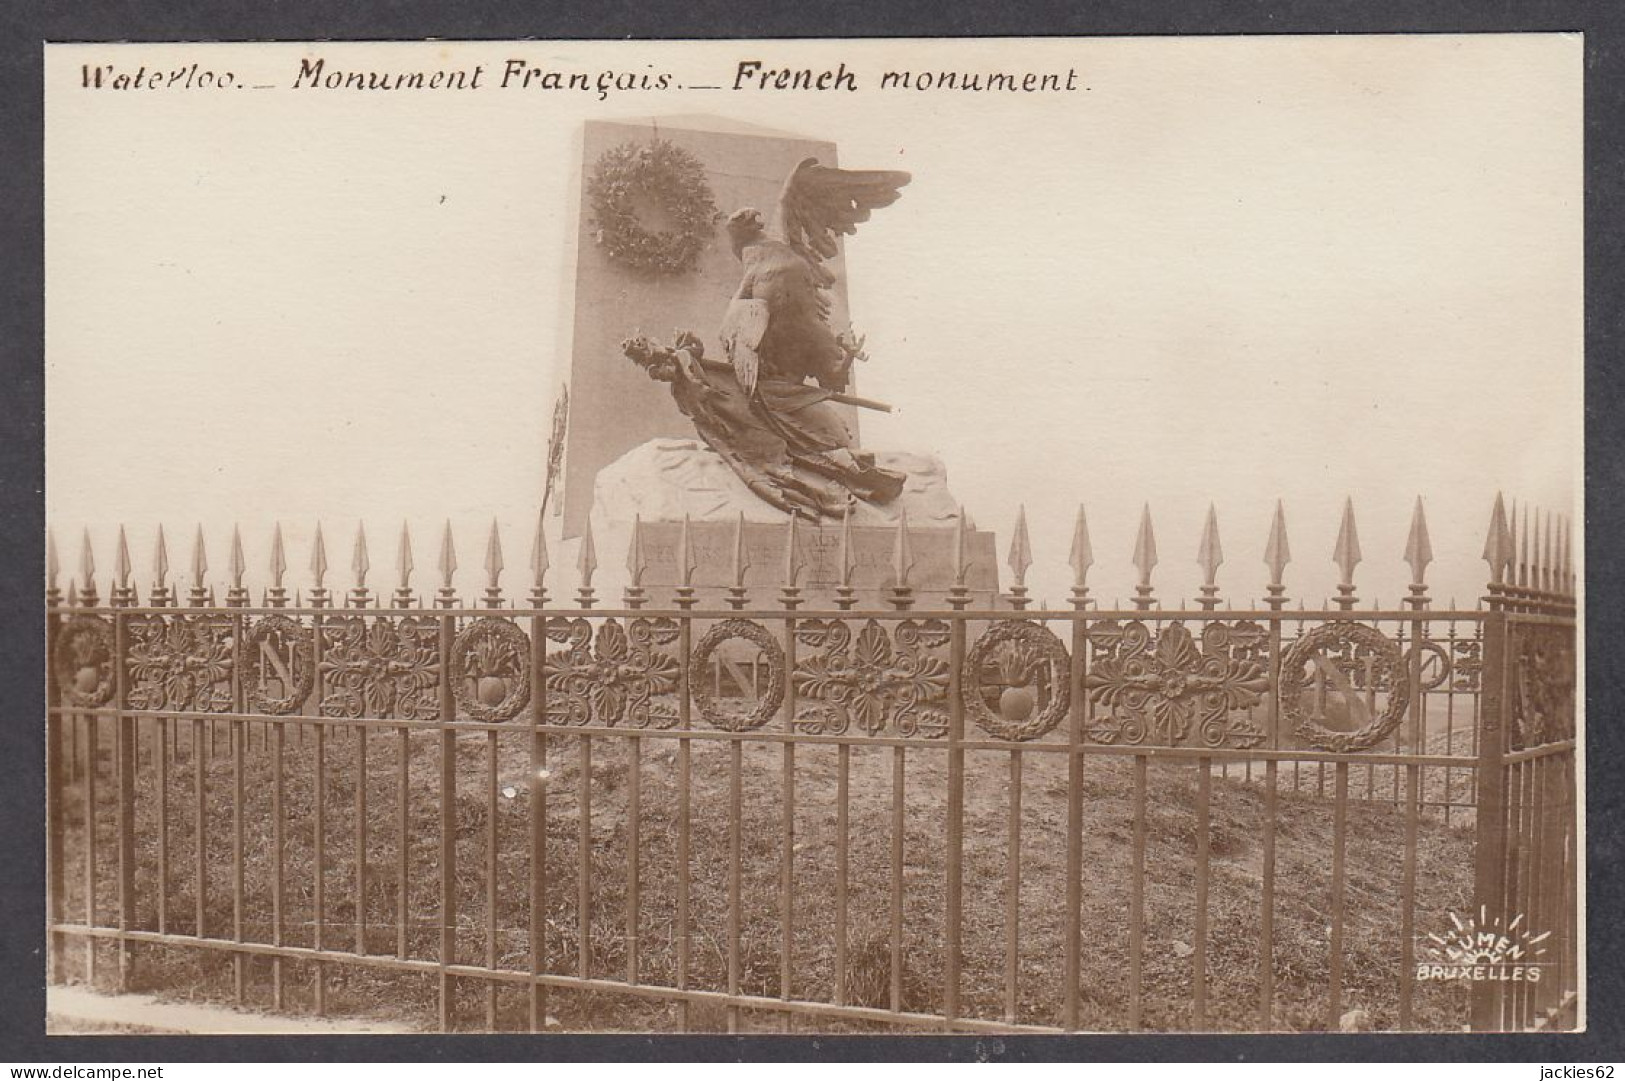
[1226,270]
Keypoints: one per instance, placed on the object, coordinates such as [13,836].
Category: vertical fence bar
[92,740]
[319,864]
[1012,900]
[238,729]
[898,783]
[736,812]
[584,859]
[1272,722]
[634,842]
[403,837]
[1489,866]
[843,776]
[539,778]
[1136,901]
[1407,897]
[361,777]
[1340,821]
[1534,908]
[319,793]
[56,775]
[278,842]
[124,759]
[200,791]
[684,774]
[492,836]
[1204,797]
[953,917]
[1076,722]
[790,597]
[447,954]
[164,757]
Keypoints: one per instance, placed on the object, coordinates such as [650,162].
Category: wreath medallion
[674,180]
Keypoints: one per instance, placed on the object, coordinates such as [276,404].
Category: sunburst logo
[1483,949]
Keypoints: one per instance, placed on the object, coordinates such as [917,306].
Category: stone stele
[613,406]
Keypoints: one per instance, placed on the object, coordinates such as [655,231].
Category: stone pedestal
[664,480]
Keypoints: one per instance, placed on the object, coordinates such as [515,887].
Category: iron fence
[825,811]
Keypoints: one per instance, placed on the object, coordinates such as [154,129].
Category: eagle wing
[743,325]
[818,203]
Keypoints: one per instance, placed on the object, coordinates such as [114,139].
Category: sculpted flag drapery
[781,434]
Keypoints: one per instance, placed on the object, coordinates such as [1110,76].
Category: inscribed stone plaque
[711,547]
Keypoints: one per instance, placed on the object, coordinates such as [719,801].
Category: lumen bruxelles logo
[1482,949]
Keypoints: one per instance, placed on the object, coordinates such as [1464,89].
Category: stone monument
[759,368]
[615,406]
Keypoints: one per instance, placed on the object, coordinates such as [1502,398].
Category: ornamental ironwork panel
[279,665]
[490,669]
[83,662]
[621,675]
[1466,665]
[710,648]
[1016,681]
[876,680]
[381,667]
[1165,689]
[1543,684]
[180,663]
[1326,705]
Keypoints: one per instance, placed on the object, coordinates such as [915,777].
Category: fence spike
[846,548]
[200,558]
[493,556]
[235,563]
[685,556]
[1567,556]
[1346,552]
[160,562]
[792,554]
[902,551]
[403,558]
[318,559]
[1418,548]
[1498,544]
[359,563]
[634,553]
[279,562]
[1277,550]
[53,566]
[1082,555]
[87,564]
[741,561]
[447,563]
[587,558]
[1549,561]
[1210,552]
[1523,545]
[73,593]
[961,548]
[1021,548]
[1145,547]
[121,560]
[539,563]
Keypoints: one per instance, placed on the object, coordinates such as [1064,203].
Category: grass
[1300,957]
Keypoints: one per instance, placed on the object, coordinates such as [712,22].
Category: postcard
[819,536]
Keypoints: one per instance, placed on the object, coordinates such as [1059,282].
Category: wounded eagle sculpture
[781,434]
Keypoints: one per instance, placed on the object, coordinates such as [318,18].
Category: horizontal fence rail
[775,810]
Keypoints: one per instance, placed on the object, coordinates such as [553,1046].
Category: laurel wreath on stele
[666,176]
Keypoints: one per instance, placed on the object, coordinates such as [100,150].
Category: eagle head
[745,226]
